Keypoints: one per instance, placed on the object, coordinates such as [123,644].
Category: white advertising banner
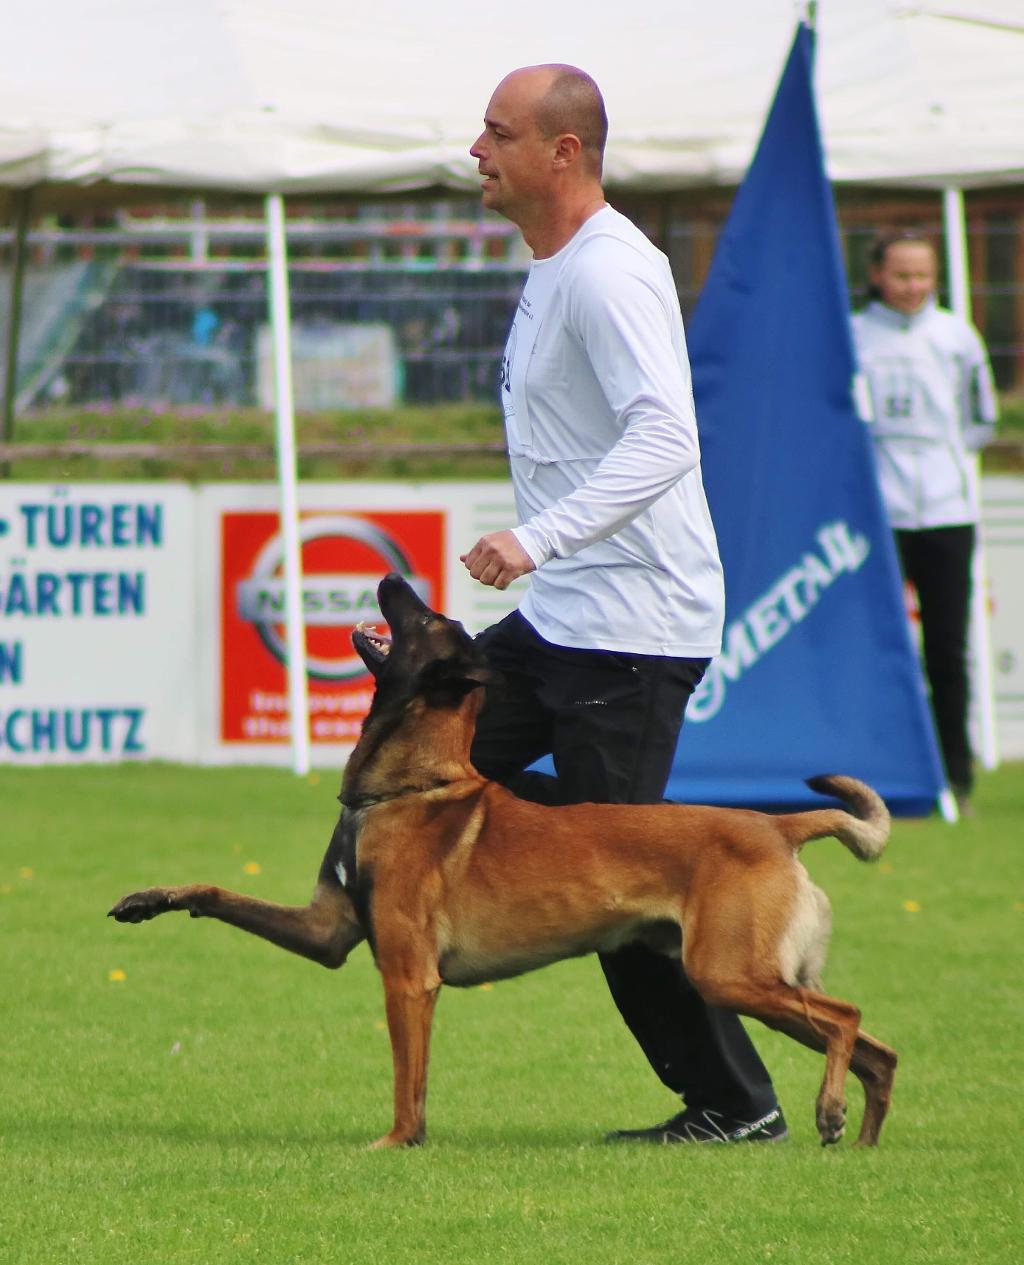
[97,623]
[1002,535]
[145,621]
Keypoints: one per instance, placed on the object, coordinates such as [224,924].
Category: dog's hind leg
[874,1065]
[325,931]
[823,1023]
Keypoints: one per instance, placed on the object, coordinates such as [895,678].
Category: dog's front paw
[141,906]
[394,1139]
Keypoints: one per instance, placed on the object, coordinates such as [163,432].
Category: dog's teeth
[381,644]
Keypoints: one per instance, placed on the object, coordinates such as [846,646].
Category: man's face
[906,277]
[512,156]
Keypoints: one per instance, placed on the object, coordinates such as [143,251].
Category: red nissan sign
[344,555]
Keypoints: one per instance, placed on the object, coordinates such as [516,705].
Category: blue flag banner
[818,673]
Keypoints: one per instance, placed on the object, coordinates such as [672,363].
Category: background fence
[392,302]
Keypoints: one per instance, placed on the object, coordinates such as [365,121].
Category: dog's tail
[864,829]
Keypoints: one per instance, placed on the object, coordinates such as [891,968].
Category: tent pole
[19,240]
[954,225]
[280,318]
[955,230]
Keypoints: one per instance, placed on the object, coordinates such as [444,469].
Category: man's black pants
[937,562]
[611,722]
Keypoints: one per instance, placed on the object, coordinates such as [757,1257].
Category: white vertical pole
[954,225]
[955,230]
[280,319]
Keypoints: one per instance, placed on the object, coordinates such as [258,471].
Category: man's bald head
[569,101]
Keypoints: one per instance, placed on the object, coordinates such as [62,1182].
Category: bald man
[625,602]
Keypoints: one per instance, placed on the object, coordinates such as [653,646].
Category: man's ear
[568,148]
[446,682]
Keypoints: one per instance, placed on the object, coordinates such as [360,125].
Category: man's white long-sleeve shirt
[604,453]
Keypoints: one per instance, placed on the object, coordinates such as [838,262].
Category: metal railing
[391,303]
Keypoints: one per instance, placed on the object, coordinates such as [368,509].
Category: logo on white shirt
[507,360]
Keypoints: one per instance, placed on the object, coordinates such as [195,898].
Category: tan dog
[453,880]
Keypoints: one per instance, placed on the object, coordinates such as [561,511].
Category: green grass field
[180,1092]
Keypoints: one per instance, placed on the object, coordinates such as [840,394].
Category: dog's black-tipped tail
[864,829]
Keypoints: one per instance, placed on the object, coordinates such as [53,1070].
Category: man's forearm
[638,471]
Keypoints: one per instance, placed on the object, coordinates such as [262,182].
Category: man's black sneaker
[693,1125]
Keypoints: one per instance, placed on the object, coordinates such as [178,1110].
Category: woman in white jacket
[932,404]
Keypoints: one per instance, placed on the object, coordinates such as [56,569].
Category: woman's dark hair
[881,244]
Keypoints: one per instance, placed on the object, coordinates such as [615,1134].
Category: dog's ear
[446,682]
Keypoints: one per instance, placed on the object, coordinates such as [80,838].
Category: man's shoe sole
[660,1135]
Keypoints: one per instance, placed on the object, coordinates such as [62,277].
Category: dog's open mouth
[373,646]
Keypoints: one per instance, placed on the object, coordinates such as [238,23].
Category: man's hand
[497,559]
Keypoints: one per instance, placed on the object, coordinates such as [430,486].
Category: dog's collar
[355,802]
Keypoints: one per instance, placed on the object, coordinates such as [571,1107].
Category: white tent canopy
[315,96]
